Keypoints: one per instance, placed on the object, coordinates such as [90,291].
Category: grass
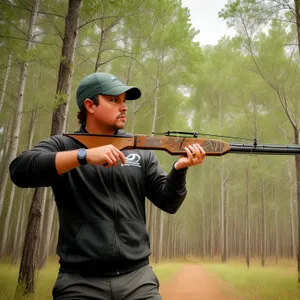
[272,282]
[8,280]
[44,281]
[167,270]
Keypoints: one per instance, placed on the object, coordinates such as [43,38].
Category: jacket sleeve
[165,191]
[36,167]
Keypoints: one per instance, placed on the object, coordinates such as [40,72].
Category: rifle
[174,143]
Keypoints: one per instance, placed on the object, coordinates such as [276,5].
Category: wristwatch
[81,156]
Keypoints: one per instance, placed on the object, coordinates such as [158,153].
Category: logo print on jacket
[132,160]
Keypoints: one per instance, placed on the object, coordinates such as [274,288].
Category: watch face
[81,153]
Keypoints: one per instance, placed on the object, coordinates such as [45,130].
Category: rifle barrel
[271,149]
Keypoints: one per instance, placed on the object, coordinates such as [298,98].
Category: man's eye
[114,100]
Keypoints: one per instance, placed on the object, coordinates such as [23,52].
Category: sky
[204,17]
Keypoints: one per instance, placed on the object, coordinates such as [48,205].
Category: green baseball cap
[104,84]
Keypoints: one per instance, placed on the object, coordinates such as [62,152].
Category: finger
[114,156]
[189,151]
[195,151]
[108,162]
[122,157]
[198,153]
[203,153]
[115,153]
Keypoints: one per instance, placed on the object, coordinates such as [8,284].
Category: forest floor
[193,282]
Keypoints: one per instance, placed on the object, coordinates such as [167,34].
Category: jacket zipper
[116,221]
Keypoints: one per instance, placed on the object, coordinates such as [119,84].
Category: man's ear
[88,104]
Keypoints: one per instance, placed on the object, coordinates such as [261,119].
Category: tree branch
[101,64]
[22,39]
[97,19]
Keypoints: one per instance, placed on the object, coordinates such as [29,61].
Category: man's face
[110,114]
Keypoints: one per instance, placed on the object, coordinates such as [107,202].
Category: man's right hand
[107,156]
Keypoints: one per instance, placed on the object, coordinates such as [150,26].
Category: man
[100,195]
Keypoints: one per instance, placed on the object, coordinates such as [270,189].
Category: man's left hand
[194,155]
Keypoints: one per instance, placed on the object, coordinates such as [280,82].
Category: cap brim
[132,92]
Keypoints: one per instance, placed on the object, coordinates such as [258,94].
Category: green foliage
[60,98]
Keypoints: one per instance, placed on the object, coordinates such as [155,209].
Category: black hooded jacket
[101,210]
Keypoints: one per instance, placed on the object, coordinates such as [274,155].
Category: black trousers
[141,284]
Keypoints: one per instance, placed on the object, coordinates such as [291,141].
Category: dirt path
[193,282]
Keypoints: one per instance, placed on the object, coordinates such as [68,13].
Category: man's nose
[123,107]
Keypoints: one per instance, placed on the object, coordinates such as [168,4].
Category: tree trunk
[297,16]
[276,226]
[29,262]
[23,221]
[212,237]
[157,238]
[43,205]
[5,146]
[153,224]
[65,69]
[203,231]
[154,233]
[212,225]
[293,243]
[54,236]
[6,221]
[17,233]
[256,236]
[235,235]
[161,234]
[45,246]
[247,235]
[149,212]
[297,164]
[226,225]
[32,127]
[26,280]
[19,108]
[223,214]
[263,224]
[5,81]
[100,50]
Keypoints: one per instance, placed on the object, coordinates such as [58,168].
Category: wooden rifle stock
[171,144]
